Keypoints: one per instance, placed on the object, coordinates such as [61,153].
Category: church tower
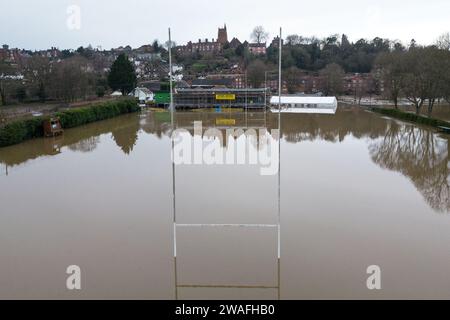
[222,37]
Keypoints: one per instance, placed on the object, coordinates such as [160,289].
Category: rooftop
[303,100]
[212,82]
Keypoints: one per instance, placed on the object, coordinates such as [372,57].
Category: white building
[142,94]
[117,93]
[304,104]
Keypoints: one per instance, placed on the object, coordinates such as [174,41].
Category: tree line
[420,74]
[76,77]
[45,79]
[313,54]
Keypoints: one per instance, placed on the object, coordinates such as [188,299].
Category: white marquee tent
[304,104]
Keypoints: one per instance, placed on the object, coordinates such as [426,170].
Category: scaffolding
[247,98]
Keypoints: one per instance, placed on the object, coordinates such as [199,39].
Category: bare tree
[435,75]
[333,75]
[363,88]
[392,73]
[425,76]
[293,39]
[259,35]
[443,42]
[5,69]
[255,73]
[72,79]
[414,83]
[38,69]
[446,78]
[293,80]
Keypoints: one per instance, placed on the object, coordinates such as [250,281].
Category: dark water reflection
[343,178]
[419,154]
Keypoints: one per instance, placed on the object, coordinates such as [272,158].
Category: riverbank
[21,130]
[411,117]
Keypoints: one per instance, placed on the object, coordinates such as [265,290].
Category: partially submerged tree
[414,83]
[426,74]
[446,79]
[434,62]
[392,73]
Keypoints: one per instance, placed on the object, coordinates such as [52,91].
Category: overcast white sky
[39,24]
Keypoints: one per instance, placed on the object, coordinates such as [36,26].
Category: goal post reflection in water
[231,145]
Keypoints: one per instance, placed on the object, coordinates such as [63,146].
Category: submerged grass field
[411,117]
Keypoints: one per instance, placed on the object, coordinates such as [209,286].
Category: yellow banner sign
[226,122]
[225,96]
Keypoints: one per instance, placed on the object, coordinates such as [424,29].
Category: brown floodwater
[356,189]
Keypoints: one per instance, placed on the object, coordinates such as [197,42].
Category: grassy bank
[18,131]
[412,117]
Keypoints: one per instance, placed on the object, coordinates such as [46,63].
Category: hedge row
[408,116]
[77,117]
[18,131]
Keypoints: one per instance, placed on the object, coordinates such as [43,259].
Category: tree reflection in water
[86,145]
[419,154]
[126,135]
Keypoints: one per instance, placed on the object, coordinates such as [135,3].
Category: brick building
[235,43]
[276,42]
[13,57]
[206,46]
[358,82]
[236,80]
[257,48]
[222,36]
